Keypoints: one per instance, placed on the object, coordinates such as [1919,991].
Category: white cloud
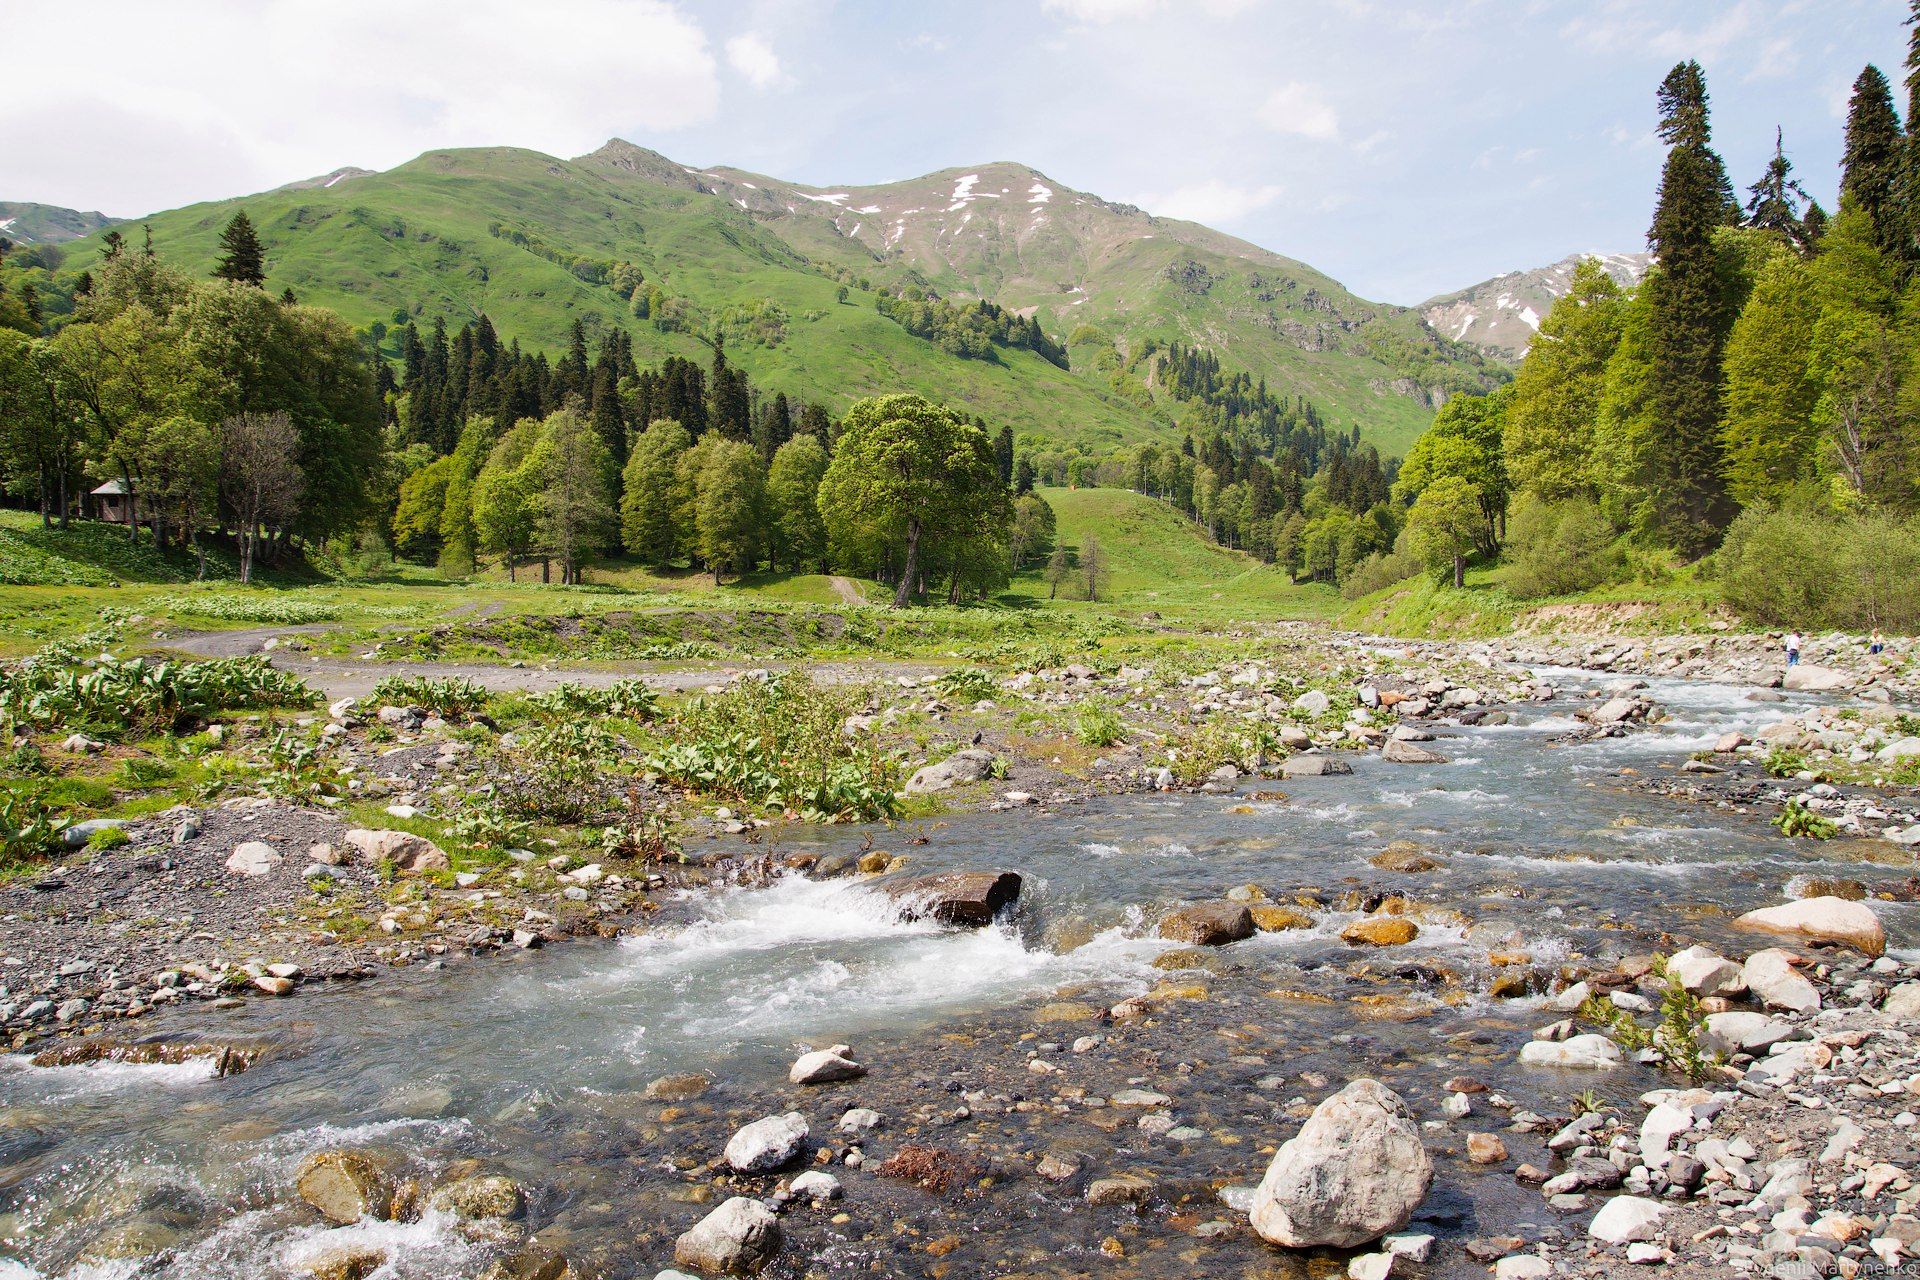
[1300,109]
[1100,12]
[238,95]
[754,58]
[1212,202]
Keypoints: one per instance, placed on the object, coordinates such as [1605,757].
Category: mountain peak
[1501,315]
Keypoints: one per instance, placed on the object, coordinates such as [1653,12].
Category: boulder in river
[1625,1219]
[1380,931]
[1835,920]
[1584,1052]
[1404,856]
[826,1066]
[966,898]
[1208,924]
[765,1145]
[345,1186]
[1355,1171]
[1398,751]
[407,852]
[738,1239]
[481,1196]
[1313,767]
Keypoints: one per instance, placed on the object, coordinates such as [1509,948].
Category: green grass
[1160,560]
[1425,608]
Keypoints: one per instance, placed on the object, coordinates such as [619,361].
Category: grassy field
[55,584]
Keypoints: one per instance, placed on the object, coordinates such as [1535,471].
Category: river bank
[1101,1086]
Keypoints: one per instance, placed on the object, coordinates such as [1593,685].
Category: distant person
[1793,648]
[1876,645]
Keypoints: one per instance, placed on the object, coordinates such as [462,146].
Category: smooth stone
[1356,1171]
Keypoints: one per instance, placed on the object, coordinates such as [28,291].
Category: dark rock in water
[1208,924]
[969,899]
[834,865]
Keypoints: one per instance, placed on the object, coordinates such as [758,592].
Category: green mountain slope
[536,242]
[26,223]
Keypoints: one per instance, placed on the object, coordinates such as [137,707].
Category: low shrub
[1806,568]
[450,697]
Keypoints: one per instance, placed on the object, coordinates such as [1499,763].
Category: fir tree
[1871,168]
[1777,200]
[244,262]
[1692,315]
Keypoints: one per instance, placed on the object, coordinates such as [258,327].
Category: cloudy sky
[1405,146]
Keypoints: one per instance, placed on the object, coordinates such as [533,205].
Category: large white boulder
[1809,678]
[1771,978]
[765,1145]
[738,1238]
[406,851]
[1626,1218]
[253,858]
[1355,1171]
[826,1066]
[1835,920]
[1588,1052]
[1704,973]
[959,769]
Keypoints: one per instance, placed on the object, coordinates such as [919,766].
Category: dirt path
[345,678]
[846,590]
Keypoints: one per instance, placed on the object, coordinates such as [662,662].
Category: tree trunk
[546,569]
[1459,572]
[911,573]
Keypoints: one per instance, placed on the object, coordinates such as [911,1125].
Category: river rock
[253,858]
[1771,977]
[1742,1032]
[1355,1171]
[1404,856]
[1208,924]
[1400,751]
[1588,1052]
[1904,1001]
[959,769]
[765,1145]
[966,898]
[1808,678]
[1380,931]
[482,1196]
[1313,767]
[1271,918]
[1486,1148]
[407,852]
[1626,1218]
[738,1238]
[825,1066]
[1835,920]
[1703,973]
[345,1262]
[345,1186]
[815,1185]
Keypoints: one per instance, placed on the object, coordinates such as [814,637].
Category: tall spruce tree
[244,261]
[1910,168]
[1776,201]
[1691,316]
[1872,167]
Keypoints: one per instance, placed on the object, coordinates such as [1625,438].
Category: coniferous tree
[1871,169]
[1691,314]
[1777,201]
[1003,454]
[1910,163]
[244,261]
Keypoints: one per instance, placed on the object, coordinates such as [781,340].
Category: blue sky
[1404,148]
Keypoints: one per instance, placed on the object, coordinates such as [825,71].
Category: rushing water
[521,1059]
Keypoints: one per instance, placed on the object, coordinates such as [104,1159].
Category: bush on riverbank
[1801,568]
